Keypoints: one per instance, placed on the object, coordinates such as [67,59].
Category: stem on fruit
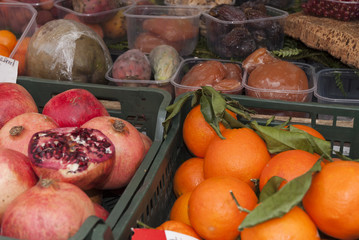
[242,209]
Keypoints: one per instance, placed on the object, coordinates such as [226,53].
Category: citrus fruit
[288,165]
[242,154]
[179,210]
[212,210]
[20,55]
[309,130]
[294,225]
[188,176]
[8,39]
[180,227]
[4,51]
[197,133]
[332,201]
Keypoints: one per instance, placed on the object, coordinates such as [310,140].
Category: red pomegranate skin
[48,210]
[14,100]
[147,141]
[129,148]
[74,107]
[80,156]
[16,133]
[100,211]
[16,176]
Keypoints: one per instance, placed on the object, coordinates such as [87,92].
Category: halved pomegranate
[81,156]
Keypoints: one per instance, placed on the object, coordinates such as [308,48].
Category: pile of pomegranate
[49,161]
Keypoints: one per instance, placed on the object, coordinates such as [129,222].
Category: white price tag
[8,69]
[170,235]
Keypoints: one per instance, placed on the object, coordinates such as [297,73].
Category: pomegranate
[130,149]
[81,156]
[14,100]
[49,210]
[16,133]
[16,176]
[74,107]
[147,141]
[100,211]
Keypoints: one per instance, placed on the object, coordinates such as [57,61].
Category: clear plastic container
[45,9]
[64,8]
[238,39]
[336,9]
[286,95]
[149,26]
[20,19]
[164,85]
[187,64]
[337,86]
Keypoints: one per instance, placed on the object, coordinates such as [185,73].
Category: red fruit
[49,210]
[74,107]
[100,211]
[147,141]
[16,176]
[130,149]
[80,156]
[14,100]
[16,133]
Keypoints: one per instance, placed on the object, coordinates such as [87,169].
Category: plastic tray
[152,203]
[143,107]
[22,21]
[142,24]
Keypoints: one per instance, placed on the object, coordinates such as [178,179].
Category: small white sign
[8,69]
[170,235]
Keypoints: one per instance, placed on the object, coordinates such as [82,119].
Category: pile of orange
[8,42]
[216,190]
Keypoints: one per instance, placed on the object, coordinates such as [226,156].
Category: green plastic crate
[143,107]
[153,201]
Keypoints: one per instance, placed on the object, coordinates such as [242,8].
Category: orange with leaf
[197,133]
[332,200]
[287,165]
[294,225]
[213,211]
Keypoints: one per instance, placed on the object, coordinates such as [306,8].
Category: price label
[155,234]
[8,69]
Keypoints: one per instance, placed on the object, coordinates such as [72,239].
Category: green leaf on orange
[279,140]
[282,201]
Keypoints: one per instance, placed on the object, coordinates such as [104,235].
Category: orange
[197,133]
[188,176]
[8,39]
[180,227]
[4,51]
[179,210]
[242,154]
[288,165]
[309,130]
[294,225]
[20,55]
[213,212]
[332,201]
